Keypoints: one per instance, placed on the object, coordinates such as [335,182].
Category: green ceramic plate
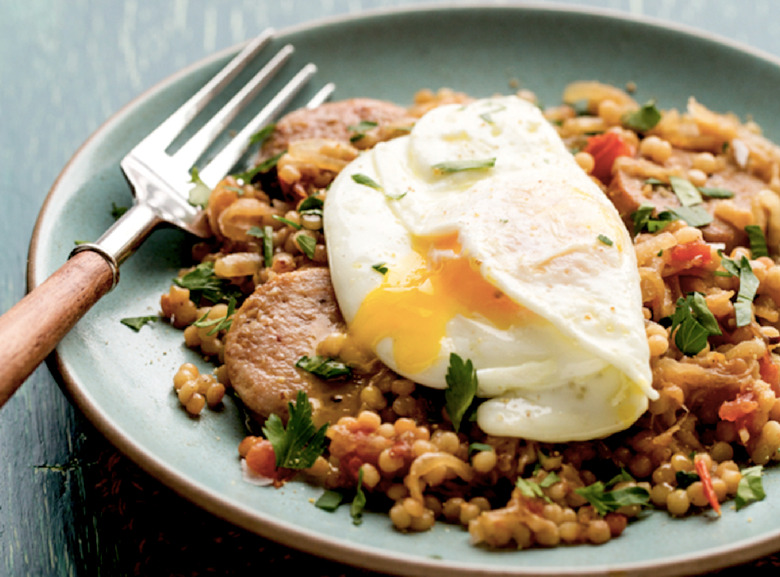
[122,380]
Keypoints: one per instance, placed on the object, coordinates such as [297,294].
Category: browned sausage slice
[332,120]
[278,324]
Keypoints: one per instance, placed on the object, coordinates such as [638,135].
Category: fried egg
[478,234]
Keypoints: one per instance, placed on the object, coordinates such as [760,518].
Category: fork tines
[155,144]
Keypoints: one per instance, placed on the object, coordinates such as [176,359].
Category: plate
[121,380]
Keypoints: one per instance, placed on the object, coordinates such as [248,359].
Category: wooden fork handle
[31,329]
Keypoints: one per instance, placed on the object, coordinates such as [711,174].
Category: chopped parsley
[686,478]
[298,444]
[549,480]
[329,500]
[259,137]
[605,239]
[324,367]
[758,247]
[531,489]
[693,324]
[380,267]
[203,283]
[311,205]
[287,221]
[716,192]
[479,447]
[464,165]
[461,388]
[643,119]
[695,215]
[686,192]
[750,487]
[605,501]
[360,129]
[117,211]
[200,193]
[219,324]
[644,221]
[488,116]
[266,166]
[136,323]
[367,181]
[359,502]
[307,244]
[266,234]
[748,285]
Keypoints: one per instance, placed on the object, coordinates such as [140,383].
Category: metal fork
[161,183]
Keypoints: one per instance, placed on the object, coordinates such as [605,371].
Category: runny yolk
[417,299]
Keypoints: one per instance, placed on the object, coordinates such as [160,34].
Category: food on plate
[492,237]
[532,322]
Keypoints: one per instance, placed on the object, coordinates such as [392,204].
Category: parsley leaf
[266,235]
[136,323]
[692,324]
[716,192]
[604,501]
[203,283]
[464,165]
[643,119]
[479,447]
[262,135]
[757,240]
[218,324]
[686,192]
[299,444]
[311,205]
[359,502]
[461,388]
[329,500]
[643,219]
[323,367]
[200,193]
[367,181]
[622,477]
[605,239]
[686,478]
[380,268]
[748,285]
[117,211]
[287,221]
[695,215]
[750,487]
[549,480]
[307,244]
[531,489]
[360,129]
[262,168]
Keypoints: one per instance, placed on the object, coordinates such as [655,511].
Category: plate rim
[288,534]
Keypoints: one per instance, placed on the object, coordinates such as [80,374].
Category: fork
[161,183]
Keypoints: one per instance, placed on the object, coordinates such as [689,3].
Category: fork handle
[31,329]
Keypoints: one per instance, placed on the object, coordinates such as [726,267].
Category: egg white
[577,365]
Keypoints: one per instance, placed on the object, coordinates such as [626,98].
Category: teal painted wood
[69,503]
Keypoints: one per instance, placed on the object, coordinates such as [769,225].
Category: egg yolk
[420,296]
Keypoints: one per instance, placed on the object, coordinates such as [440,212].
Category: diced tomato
[739,409]
[695,253]
[706,481]
[605,148]
[261,459]
[770,372]
[352,466]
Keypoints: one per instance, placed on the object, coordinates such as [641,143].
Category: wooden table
[70,504]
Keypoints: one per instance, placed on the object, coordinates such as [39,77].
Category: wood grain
[32,327]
